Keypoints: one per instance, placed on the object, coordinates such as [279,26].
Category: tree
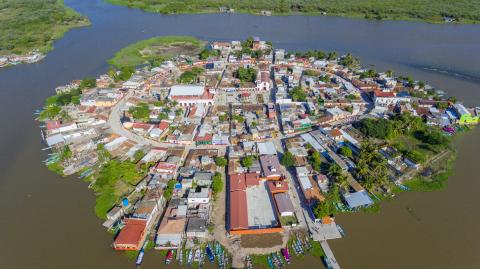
[191,76]
[332,56]
[248,43]
[222,117]
[162,116]
[288,160]
[342,182]
[325,78]
[138,155]
[369,74]
[298,94]
[346,151]
[168,192]
[140,111]
[334,170]
[316,161]
[246,74]
[247,161]
[349,61]
[88,83]
[217,183]
[126,73]
[220,161]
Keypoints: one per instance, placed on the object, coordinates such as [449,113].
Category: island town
[244,153]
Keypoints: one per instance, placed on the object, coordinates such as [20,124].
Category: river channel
[48,221]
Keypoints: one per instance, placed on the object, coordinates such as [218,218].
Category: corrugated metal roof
[184,90]
[237,182]
[238,210]
[284,203]
[265,148]
[358,199]
[305,182]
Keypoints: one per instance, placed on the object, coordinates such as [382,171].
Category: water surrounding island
[48,221]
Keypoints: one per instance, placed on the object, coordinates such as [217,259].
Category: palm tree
[334,170]
[342,181]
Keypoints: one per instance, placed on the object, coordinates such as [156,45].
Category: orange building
[132,236]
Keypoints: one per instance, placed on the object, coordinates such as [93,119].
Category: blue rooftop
[358,199]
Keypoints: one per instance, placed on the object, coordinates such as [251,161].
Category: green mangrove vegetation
[462,11]
[27,25]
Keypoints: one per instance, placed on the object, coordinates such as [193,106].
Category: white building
[202,197]
[188,95]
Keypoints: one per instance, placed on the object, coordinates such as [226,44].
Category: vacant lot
[261,240]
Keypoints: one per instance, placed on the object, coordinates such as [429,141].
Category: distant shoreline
[375,15]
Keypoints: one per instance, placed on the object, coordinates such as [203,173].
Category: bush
[288,160]
[220,161]
[217,183]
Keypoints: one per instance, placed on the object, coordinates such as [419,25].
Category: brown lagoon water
[48,221]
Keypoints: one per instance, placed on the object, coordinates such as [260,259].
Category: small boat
[327,262]
[307,242]
[340,229]
[286,255]
[248,262]
[169,257]
[180,256]
[221,262]
[210,255]
[139,260]
[270,262]
[190,257]
[299,246]
[225,259]
[276,260]
[218,249]
[196,256]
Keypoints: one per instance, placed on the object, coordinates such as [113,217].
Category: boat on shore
[307,242]
[270,262]
[286,255]
[190,257]
[196,256]
[248,262]
[169,257]
[139,260]
[210,255]
[180,256]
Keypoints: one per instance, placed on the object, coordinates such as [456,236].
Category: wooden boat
[180,256]
[327,262]
[221,262]
[190,257]
[169,257]
[210,255]
[340,229]
[196,256]
[248,262]
[276,261]
[270,262]
[139,260]
[280,258]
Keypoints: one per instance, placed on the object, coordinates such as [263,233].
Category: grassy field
[155,50]
[26,25]
[464,11]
